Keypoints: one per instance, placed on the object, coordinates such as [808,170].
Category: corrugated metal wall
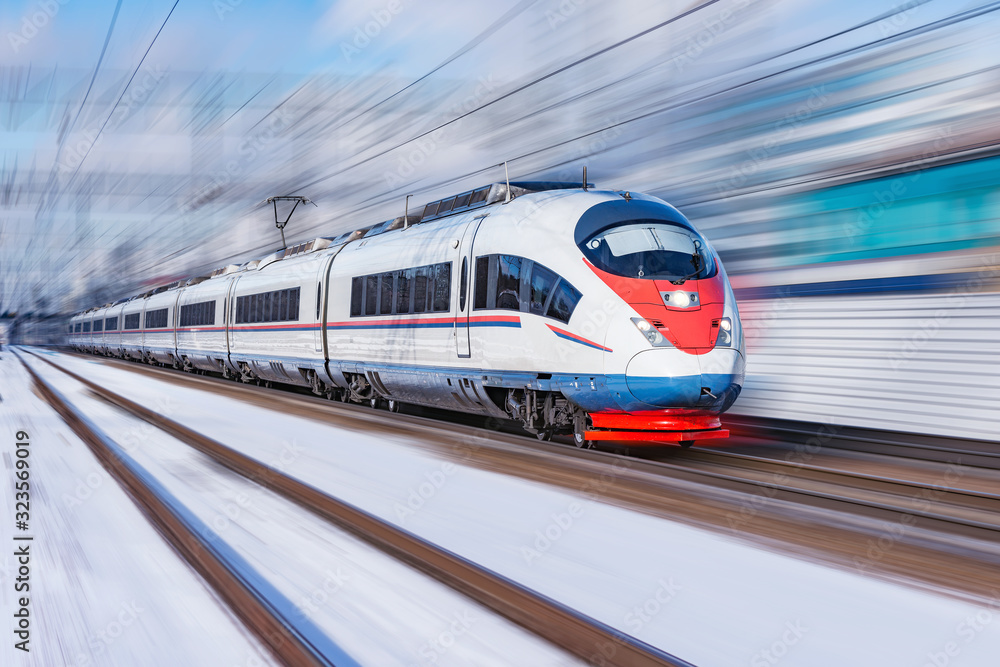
[921,363]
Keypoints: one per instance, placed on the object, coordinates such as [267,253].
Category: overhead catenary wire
[518,89]
[389,195]
[374,201]
[129,83]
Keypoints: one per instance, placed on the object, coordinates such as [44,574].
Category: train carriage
[604,314]
[275,329]
[391,323]
[158,321]
[87,333]
[131,339]
[202,337]
[97,329]
[75,326]
[112,329]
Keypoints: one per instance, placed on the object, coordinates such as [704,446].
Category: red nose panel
[694,329]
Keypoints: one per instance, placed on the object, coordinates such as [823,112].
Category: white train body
[597,312]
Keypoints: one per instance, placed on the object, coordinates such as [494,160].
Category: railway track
[945,536]
[953,503]
[577,634]
[977,453]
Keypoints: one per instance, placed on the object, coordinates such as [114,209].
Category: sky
[146,133]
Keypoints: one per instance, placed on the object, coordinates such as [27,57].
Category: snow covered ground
[699,595]
[105,588]
[335,589]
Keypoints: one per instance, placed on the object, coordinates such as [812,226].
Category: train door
[323,302]
[230,308]
[465,264]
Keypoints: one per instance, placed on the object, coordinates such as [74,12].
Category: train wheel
[686,444]
[392,405]
[580,430]
[544,434]
[375,402]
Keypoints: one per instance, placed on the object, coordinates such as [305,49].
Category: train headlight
[680,299]
[725,338]
[654,337]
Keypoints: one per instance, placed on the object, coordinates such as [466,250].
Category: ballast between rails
[792,514]
[600,314]
[572,631]
[286,645]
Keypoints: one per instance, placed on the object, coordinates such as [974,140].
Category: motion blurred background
[841,157]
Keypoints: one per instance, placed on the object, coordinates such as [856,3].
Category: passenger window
[464,286]
[420,291]
[442,287]
[385,304]
[564,302]
[508,283]
[371,295]
[482,282]
[356,287]
[542,280]
[402,292]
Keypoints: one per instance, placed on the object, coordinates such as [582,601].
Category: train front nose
[672,378]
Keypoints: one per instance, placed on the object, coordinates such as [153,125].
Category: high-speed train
[601,314]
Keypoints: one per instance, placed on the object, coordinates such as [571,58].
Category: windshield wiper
[696,260]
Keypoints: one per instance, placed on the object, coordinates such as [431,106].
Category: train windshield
[653,249]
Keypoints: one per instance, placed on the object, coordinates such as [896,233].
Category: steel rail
[574,632]
[244,600]
[778,517]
